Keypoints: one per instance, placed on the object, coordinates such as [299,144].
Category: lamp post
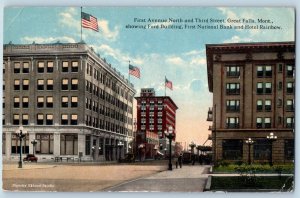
[141,146]
[249,141]
[272,138]
[192,145]
[34,142]
[169,134]
[99,150]
[93,152]
[21,133]
[120,145]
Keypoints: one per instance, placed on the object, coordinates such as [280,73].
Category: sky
[178,54]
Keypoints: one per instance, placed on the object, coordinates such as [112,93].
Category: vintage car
[129,158]
[30,158]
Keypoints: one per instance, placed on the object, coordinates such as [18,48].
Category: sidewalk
[186,179]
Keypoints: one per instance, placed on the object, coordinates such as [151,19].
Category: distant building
[154,115]
[71,101]
[253,86]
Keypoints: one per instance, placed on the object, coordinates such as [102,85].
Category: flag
[135,71]
[169,84]
[88,21]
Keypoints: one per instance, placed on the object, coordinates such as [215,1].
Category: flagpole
[129,72]
[81,24]
[165,86]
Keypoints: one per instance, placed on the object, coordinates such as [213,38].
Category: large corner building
[253,86]
[69,100]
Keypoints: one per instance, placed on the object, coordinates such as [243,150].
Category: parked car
[30,158]
[129,158]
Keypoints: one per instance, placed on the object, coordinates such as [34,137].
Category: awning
[159,153]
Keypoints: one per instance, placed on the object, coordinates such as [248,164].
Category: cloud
[62,39]
[198,61]
[237,39]
[175,60]
[107,33]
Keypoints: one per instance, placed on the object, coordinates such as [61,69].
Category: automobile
[129,158]
[30,158]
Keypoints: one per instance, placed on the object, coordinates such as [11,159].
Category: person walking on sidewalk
[180,160]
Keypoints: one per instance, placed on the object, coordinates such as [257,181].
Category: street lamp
[249,141]
[272,138]
[120,145]
[21,133]
[141,146]
[169,134]
[34,142]
[192,145]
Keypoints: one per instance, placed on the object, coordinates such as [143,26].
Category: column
[104,149]
[31,138]
[8,145]
[97,149]
[81,144]
[56,143]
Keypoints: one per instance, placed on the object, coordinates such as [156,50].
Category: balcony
[209,114]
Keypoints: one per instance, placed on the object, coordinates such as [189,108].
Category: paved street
[187,179]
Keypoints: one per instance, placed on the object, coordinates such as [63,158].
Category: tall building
[154,115]
[253,96]
[69,100]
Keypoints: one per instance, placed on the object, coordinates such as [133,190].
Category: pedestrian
[180,160]
[193,159]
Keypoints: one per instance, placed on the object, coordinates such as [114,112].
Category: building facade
[253,86]
[154,115]
[69,100]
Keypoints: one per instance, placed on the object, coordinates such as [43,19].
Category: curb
[208,184]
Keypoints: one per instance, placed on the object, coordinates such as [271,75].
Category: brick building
[253,96]
[71,101]
[154,115]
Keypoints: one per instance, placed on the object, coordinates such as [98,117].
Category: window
[259,123]
[290,105]
[16,102]
[16,119]
[268,88]
[232,149]
[50,67]
[40,101]
[74,84]
[44,144]
[49,119]
[41,66]
[268,106]
[40,119]
[25,84]
[279,68]
[40,84]
[49,84]
[279,102]
[74,101]
[15,144]
[264,88]
[290,87]
[267,122]
[289,149]
[289,122]
[259,105]
[233,71]
[64,119]
[16,84]
[3,86]
[25,102]
[290,71]
[65,66]
[262,149]
[233,105]
[232,122]
[232,88]
[64,101]
[3,143]
[264,71]
[25,67]
[74,118]
[49,102]
[17,68]
[25,119]
[69,144]
[64,84]
[279,85]
[74,66]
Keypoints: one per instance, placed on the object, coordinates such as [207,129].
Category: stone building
[253,86]
[68,99]
[154,115]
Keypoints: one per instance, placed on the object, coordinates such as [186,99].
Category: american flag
[135,71]
[88,21]
[169,84]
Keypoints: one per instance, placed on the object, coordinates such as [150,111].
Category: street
[91,177]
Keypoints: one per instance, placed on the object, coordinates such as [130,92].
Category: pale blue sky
[178,54]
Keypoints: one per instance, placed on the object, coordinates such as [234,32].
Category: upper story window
[232,88]
[64,119]
[74,101]
[264,88]
[233,71]
[40,101]
[290,87]
[16,119]
[64,101]
[74,84]
[25,84]
[232,123]
[25,67]
[290,105]
[264,71]
[290,122]
[65,84]
[74,66]
[268,106]
[40,84]
[50,84]
[74,119]
[25,119]
[17,84]
[49,119]
[65,66]
[25,102]
[17,68]
[16,102]
[41,66]
[232,105]
[50,67]
[259,105]
[263,122]
[290,71]
[49,102]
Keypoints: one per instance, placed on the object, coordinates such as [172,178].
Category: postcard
[148,99]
